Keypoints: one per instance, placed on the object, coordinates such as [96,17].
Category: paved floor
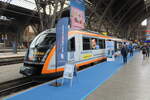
[86,81]
[132,82]
[10,72]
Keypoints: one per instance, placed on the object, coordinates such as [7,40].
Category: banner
[62,41]
[77,14]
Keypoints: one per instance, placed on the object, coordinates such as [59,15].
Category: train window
[86,43]
[71,46]
[116,46]
[44,40]
[94,43]
[102,44]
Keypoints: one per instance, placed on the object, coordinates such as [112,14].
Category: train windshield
[43,40]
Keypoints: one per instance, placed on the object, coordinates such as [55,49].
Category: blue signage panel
[78,4]
[148,41]
[62,41]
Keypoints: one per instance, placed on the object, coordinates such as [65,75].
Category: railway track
[13,86]
[16,85]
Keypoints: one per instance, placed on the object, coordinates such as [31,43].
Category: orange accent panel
[91,61]
[53,71]
[78,65]
[45,67]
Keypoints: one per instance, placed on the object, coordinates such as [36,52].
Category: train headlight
[28,71]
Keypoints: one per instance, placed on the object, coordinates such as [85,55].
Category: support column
[18,37]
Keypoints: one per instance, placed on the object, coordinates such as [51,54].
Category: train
[84,47]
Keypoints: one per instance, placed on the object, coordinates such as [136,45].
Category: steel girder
[121,14]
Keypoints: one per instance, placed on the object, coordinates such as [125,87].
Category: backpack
[144,50]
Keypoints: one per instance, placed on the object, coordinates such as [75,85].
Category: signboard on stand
[69,72]
[110,50]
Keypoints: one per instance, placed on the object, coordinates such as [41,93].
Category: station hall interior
[105,44]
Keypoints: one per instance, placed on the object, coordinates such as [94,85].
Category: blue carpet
[85,83]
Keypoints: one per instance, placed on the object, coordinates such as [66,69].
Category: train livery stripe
[48,60]
[78,65]
[90,34]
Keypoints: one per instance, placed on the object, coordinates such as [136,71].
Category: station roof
[122,12]
[17,12]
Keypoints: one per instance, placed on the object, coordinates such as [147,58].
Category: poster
[77,18]
[147,36]
[61,41]
[110,50]
[77,14]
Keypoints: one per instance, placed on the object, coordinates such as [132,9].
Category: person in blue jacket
[131,49]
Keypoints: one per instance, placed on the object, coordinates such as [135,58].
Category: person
[147,51]
[124,53]
[93,44]
[144,51]
[25,43]
[131,49]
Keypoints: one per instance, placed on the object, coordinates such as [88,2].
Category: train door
[73,49]
[115,46]
[101,43]
[78,46]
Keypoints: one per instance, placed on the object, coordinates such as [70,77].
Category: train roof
[92,33]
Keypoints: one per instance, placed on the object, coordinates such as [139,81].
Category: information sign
[69,72]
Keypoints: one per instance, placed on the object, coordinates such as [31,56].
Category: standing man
[124,53]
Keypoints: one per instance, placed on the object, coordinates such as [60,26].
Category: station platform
[104,81]
[8,53]
[132,82]
[10,57]
[6,50]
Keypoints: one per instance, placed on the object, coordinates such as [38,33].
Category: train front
[37,53]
